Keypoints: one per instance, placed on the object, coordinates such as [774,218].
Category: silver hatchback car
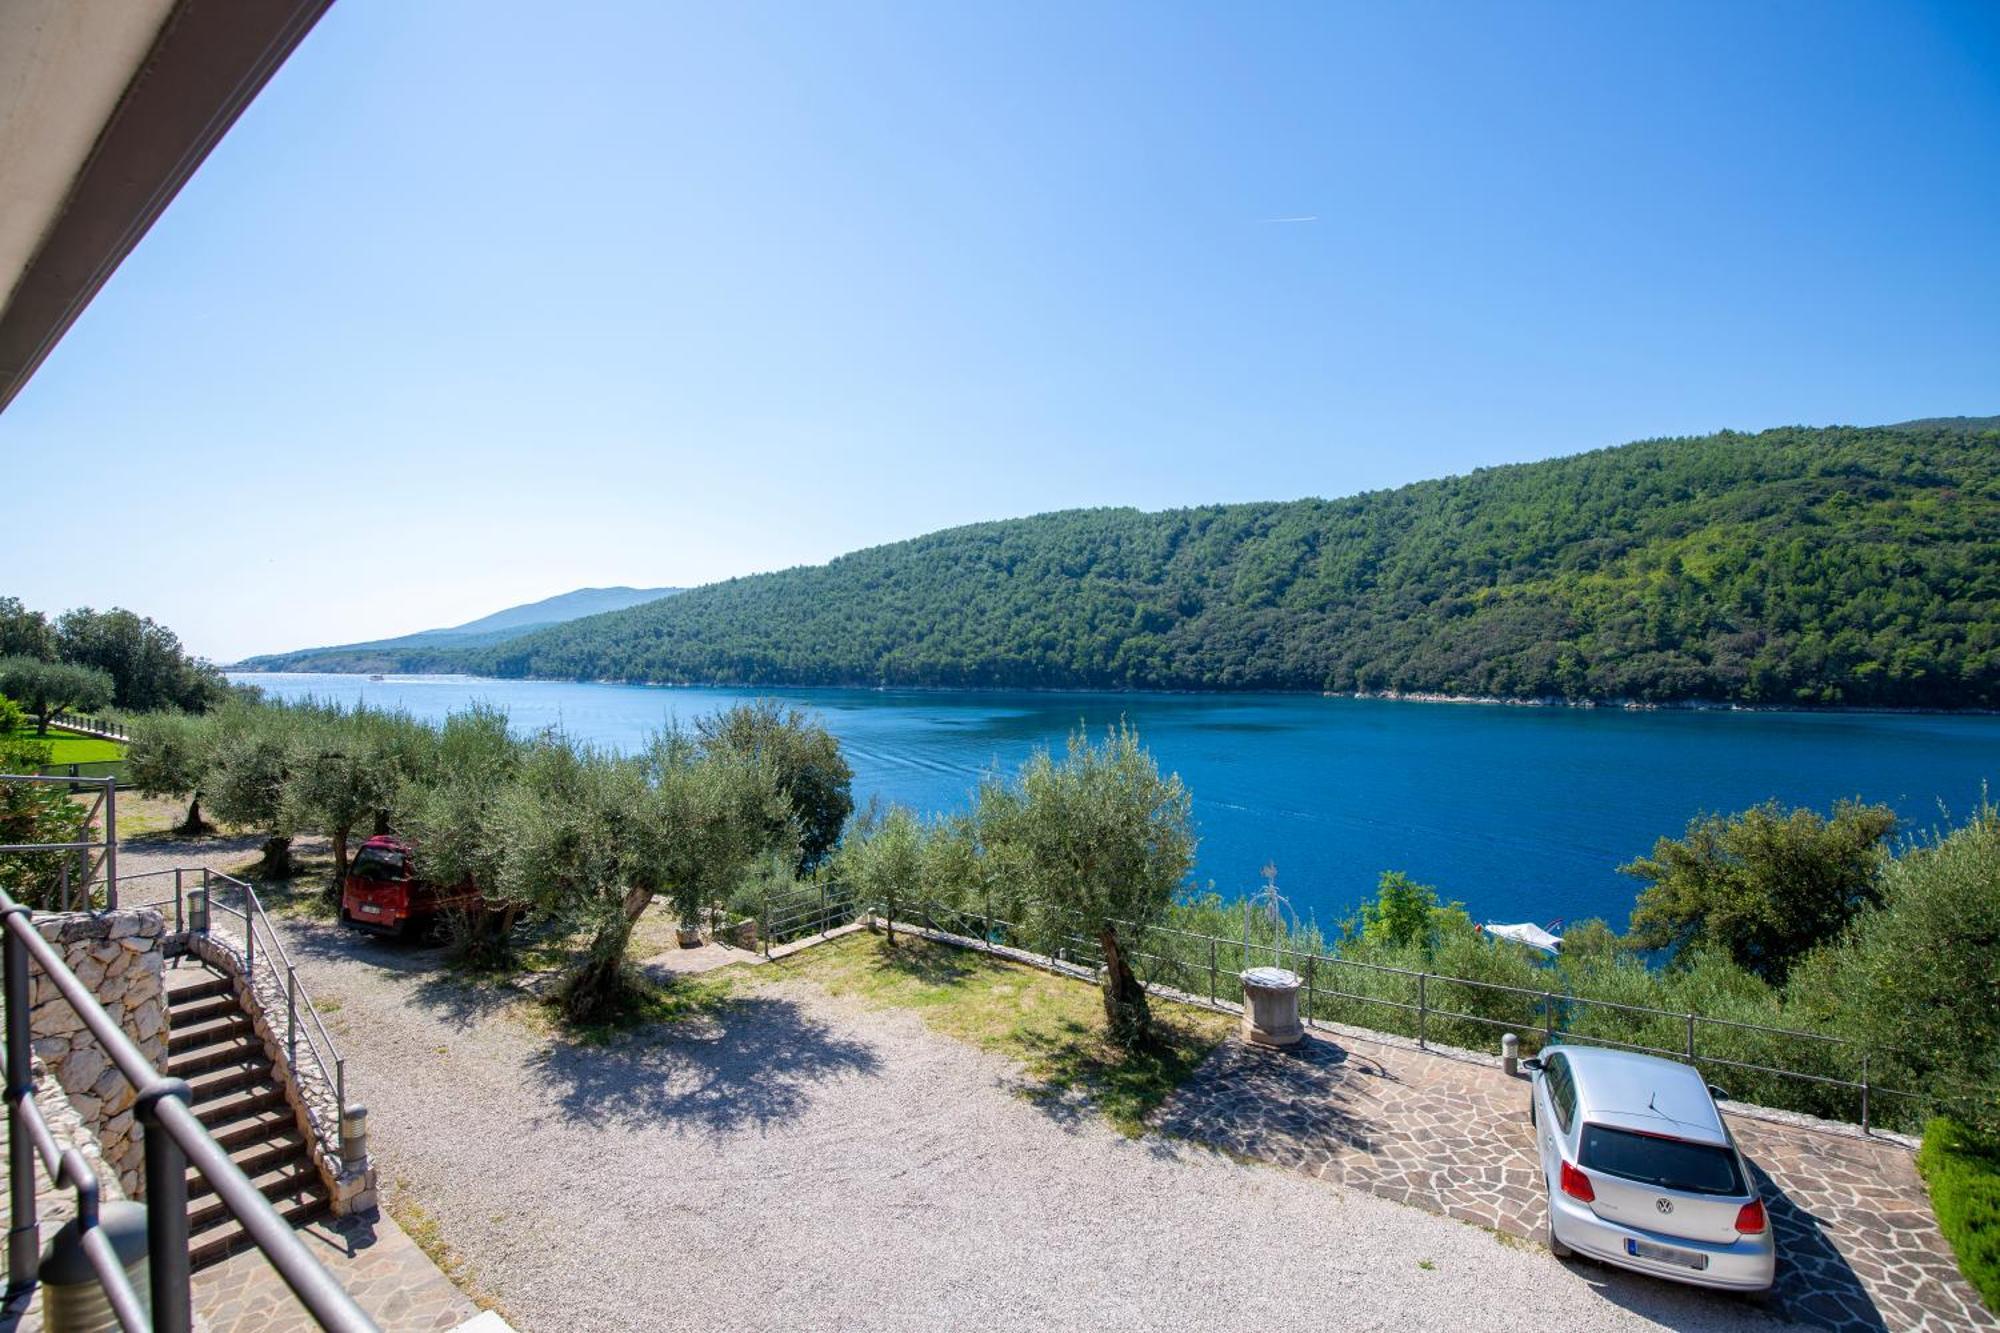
[1641,1172]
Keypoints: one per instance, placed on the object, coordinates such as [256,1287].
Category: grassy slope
[1051,1026]
[1964,1179]
[1856,566]
[68,748]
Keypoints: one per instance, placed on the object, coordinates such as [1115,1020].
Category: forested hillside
[1798,566]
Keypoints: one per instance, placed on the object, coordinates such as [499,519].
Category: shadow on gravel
[755,1066]
[1252,1101]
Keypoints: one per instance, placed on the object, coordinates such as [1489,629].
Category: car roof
[1643,1092]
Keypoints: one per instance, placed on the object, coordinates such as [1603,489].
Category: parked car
[384,893]
[1641,1172]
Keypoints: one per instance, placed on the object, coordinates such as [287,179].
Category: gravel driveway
[803,1162]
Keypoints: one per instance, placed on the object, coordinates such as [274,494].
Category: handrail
[173,1140]
[332,1065]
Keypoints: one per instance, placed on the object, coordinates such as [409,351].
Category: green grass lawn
[69,748]
[1964,1178]
[1051,1026]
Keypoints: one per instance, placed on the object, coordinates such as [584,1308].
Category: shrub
[1963,1172]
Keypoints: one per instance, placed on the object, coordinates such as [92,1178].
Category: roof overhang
[106,108]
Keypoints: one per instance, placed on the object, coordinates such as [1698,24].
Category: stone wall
[116,955]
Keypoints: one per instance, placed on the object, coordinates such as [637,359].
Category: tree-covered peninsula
[1839,566]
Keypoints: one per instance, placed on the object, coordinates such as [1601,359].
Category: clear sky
[481,302]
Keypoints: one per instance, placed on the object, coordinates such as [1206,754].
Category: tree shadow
[1276,1105]
[753,1063]
[933,965]
[1075,1074]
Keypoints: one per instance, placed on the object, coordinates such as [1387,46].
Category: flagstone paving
[1859,1248]
[372,1257]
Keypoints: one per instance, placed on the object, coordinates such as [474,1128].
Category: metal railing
[87,768]
[1190,965]
[92,726]
[173,1141]
[302,1021]
[812,909]
[76,894]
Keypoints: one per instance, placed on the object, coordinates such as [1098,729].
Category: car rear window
[1673,1164]
[377,863]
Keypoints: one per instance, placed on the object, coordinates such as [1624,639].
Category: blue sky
[481,302]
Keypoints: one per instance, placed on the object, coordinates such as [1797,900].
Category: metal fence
[94,859]
[92,726]
[810,909]
[173,1141]
[1786,1068]
[89,768]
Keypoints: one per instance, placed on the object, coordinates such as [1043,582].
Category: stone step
[220,1242]
[283,1185]
[253,1160]
[214,1085]
[266,1125]
[229,1052]
[183,1038]
[221,1117]
[203,1011]
[191,985]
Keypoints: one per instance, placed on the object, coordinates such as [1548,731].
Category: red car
[384,894]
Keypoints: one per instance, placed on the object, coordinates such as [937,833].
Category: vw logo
[1665,1205]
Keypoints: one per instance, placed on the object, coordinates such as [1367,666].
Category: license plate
[1666,1254]
[371,909]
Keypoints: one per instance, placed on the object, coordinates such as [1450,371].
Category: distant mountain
[391,654]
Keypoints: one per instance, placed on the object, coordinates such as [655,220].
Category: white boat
[1528,933]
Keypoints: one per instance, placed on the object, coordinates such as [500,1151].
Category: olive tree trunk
[1126,1016]
[277,862]
[194,825]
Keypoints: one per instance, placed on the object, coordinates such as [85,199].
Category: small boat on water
[1530,934]
[375,678]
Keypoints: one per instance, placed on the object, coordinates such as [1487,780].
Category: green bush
[1963,1172]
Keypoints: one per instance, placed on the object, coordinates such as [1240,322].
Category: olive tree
[244,780]
[1102,842]
[804,763]
[884,861]
[595,838]
[344,770]
[1913,978]
[449,807]
[50,689]
[168,756]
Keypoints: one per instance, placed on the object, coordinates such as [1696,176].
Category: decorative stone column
[1271,1007]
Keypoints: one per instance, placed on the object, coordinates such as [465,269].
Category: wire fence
[1790,1069]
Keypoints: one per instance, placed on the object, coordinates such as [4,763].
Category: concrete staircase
[236,1095]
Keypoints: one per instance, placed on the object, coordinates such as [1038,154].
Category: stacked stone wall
[117,956]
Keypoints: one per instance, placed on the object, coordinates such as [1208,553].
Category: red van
[384,894]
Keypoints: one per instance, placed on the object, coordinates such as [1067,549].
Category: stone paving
[378,1263]
[1859,1251]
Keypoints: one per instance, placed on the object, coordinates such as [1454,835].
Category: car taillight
[1576,1184]
[1750,1219]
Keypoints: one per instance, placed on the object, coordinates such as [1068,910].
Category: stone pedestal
[1271,1007]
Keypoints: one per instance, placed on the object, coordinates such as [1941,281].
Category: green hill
[1796,566]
